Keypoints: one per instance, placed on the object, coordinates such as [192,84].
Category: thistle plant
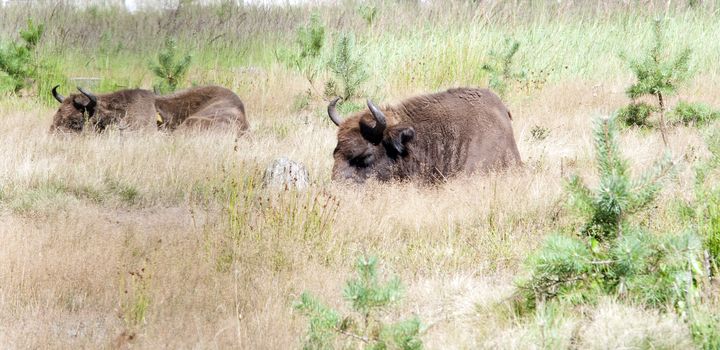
[369,299]
[170,68]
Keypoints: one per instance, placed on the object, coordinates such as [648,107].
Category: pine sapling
[18,59]
[348,68]
[311,38]
[305,55]
[658,75]
[170,68]
[370,300]
[500,67]
[609,255]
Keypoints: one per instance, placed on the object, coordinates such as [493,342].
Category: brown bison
[199,107]
[430,137]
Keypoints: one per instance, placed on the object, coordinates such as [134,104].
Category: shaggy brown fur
[200,107]
[431,137]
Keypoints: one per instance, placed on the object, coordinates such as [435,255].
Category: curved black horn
[93,98]
[58,97]
[332,112]
[380,120]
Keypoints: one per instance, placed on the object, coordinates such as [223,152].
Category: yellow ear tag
[159,119]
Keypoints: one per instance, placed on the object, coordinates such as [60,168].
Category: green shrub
[348,68]
[19,61]
[305,56]
[366,326]
[609,255]
[636,114]
[311,38]
[687,113]
[500,68]
[658,75]
[170,69]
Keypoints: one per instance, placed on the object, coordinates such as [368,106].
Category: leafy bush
[687,113]
[348,68]
[369,299]
[18,60]
[170,69]
[608,255]
[636,114]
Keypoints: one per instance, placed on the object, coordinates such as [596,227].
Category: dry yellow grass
[92,224]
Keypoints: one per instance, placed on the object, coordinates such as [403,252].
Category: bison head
[75,110]
[368,147]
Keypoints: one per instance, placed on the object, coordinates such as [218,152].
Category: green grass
[420,53]
[226,257]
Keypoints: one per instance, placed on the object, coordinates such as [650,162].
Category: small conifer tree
[171,67]
[500,68]
[310,39]
[658,75]
[18,60]
[305,55]
[369,299]
[348,68]
[609,255]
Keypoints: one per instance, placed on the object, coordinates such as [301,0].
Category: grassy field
[155,240]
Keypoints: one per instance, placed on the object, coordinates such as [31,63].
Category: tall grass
[226,257]
[409,47]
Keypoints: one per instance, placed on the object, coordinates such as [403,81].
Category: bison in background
[199,107]
[430,137]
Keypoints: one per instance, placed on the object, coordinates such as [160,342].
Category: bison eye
[362,161]
[76,124]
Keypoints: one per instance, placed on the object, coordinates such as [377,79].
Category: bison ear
[397,137]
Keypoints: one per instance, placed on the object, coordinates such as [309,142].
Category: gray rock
[284,173]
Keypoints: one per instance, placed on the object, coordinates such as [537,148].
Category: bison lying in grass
[199,107]
[430,137]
